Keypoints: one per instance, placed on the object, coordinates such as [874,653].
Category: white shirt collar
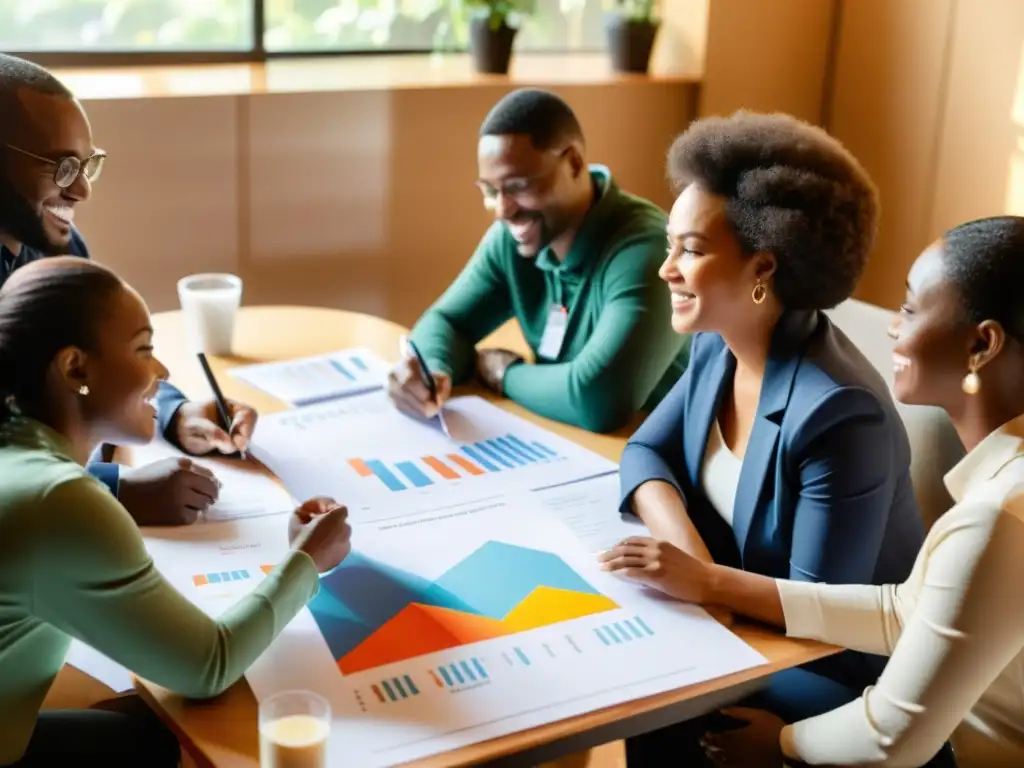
[988,457]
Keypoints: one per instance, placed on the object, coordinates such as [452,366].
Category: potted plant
[493,25]
[630,30]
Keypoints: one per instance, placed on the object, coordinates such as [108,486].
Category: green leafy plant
[637,11]
[499,12]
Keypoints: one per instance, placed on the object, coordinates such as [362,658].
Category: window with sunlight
[291,26]
[125,25]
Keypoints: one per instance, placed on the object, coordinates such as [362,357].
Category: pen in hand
[218,397]
[425,375]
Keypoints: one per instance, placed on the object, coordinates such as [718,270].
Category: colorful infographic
[495,455]
[372,614]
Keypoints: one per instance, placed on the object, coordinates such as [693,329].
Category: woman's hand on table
[662,566]
[319,528]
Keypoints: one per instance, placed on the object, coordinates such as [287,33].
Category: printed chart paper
[447,630]
[386,464]
[215,565]
[317,379]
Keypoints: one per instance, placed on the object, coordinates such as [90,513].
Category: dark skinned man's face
[34,210]
[531,191]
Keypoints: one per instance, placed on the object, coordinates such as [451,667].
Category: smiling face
[709,277]
[121,373]
[34,211]
[933,338]
[531,191]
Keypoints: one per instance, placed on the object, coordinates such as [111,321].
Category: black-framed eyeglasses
[67,168]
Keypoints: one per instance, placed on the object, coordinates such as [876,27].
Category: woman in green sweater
[77,369]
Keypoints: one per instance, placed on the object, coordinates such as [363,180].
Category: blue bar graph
[505,451]
[386,476]
[415,475]
[475,456]
[460,673]
[522,656]
[342,370]
[643,626]
[395,688]
[358,363]
[480,668]
[490,452]
[515,450]
[492,455]
[526,449]
[625,631]
[632,630]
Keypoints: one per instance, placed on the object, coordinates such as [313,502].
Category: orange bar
[469,466]
[441,468]
[435,678]
[266,568]
[200,580]
[360,467]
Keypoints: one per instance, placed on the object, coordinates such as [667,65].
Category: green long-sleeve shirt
[73,564]
[619,354]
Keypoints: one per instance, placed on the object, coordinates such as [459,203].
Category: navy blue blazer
[824,491]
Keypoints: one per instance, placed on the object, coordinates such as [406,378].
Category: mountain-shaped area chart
[372,614]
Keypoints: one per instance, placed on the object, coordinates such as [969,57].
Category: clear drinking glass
[294,730]
[209,303]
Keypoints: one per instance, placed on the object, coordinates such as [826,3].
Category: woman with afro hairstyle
[780,450]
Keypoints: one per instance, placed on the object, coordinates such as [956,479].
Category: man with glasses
[575,260]
[47,167]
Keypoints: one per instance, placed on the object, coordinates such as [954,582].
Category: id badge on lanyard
[554,332]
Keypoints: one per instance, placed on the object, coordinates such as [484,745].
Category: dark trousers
[793,695]
[121,733]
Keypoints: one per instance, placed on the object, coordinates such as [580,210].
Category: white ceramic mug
[209,303]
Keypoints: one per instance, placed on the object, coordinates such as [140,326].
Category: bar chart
[395,689]
[220,577]
[465,672]
[626,631]
[311,380]
[499,454]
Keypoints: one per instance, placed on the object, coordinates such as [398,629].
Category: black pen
[425,374]
[218,397]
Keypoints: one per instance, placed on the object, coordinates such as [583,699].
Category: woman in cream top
[954,630]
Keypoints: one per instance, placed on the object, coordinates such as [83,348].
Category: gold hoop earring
[971,383]
[760,293]
[83,390]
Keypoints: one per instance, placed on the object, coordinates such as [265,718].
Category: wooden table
[222,732]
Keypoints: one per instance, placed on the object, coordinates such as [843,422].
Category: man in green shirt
[575,260]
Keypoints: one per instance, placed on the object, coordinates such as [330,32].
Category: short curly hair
[790,189]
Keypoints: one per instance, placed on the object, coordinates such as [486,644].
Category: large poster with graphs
[444,629]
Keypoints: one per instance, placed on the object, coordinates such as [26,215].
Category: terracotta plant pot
[491,49]
[630,43]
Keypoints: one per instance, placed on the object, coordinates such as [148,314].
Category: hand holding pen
[413,387]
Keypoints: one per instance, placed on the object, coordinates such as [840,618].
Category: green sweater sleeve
[94,580]
[475,304]
[632,346]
